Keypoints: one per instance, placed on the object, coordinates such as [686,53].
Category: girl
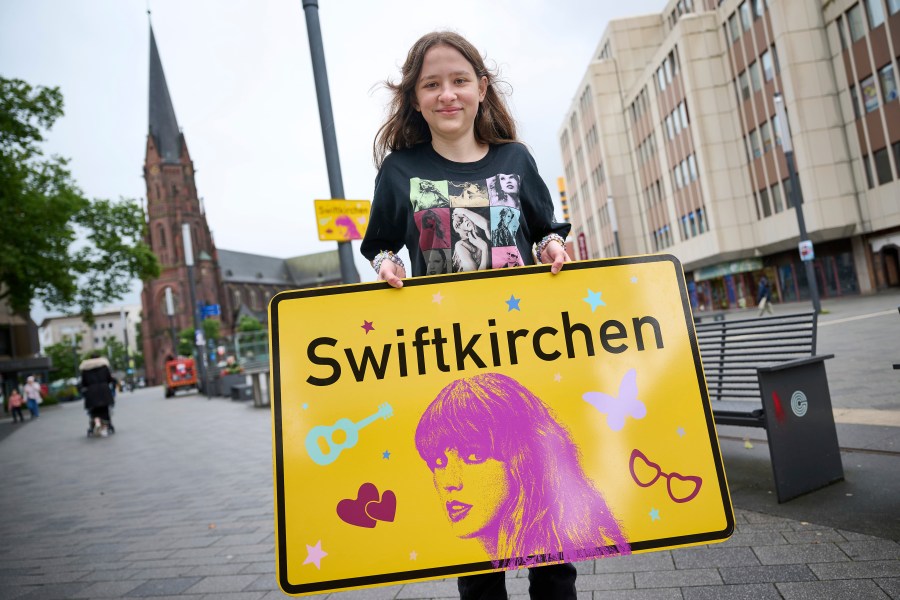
[448,125]
[15,406]
[509,475]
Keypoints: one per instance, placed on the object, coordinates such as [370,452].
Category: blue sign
[210,310]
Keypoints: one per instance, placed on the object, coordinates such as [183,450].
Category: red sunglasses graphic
[650,472]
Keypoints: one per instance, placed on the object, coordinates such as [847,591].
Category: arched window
[254,300]
[161,236]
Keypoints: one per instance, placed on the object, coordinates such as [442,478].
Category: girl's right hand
[392,273]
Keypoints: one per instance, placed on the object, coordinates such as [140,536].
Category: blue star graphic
[513,303]
[654,514]
[385,455]
[593,298]
[681,431]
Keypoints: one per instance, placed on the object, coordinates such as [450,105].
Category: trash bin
[241,391]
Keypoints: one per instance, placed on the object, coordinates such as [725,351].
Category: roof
[300,271]
[163,125]
[241,267]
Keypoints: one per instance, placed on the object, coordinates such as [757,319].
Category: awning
[729,268]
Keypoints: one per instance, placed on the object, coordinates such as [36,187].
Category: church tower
[171,202]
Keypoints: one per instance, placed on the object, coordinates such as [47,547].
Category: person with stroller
[96,382]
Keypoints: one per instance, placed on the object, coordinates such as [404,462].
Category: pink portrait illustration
[508,474]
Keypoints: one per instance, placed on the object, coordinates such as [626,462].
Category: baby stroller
[99,419]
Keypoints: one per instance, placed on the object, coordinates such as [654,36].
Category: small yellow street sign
[342,220]
[491,420]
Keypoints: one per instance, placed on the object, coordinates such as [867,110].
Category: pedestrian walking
[15,406]
[764,297]
[448,125]
[97,388]
[33,397]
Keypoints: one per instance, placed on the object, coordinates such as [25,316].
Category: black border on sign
[384,578]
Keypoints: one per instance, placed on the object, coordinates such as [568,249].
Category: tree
[56,246]
[248,323]
[64,358]
[186,342]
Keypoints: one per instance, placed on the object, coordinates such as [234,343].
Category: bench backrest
[731,351]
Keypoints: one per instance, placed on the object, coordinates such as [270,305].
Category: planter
[226,382]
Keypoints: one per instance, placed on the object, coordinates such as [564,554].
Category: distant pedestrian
[764,297]
[96,382]
[33,396]
[15,406]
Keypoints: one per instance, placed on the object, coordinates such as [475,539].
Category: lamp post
[199,343]
[349,274]
[170,310]
[124,319]
[806,247]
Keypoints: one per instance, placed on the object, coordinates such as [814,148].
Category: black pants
[551,582]
[100,411]
[17,414]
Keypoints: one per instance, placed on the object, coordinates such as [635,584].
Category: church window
[162,236]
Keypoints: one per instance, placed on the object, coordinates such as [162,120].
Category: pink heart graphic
[354,511]
[384,510]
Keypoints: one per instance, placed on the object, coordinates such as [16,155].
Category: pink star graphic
[437,298]
[315,554]
[367,325]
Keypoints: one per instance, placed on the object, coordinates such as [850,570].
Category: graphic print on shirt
[466,194]
[471,239]
[424,194]
[434,228]
[467,225]
[504,190]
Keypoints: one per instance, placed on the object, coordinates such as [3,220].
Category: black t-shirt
[456,217]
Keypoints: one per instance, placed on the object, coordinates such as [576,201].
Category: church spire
[163,125]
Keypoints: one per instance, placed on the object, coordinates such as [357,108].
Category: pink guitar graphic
[350,429]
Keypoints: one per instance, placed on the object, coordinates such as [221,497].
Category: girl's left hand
[556,253]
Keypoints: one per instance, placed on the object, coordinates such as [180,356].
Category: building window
[692,167]
[888,83]
[754,143]
[701,221]
[854,100]
[754,76]
[764,201]
[883,166]
[765,132]
[734,29]
[768,69]
[758,8]
[869,93]
[745,15]
[855,21]
[896,148]
[893,6]
[744,82]
[875,12]
[682,110]
[776,127]
[777,204]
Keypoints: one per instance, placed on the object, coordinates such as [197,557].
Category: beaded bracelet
[552,237]
[386,254]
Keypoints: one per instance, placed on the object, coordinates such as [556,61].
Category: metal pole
[788,148]
[170,310]
[189,261]
[124,318]
[349,274]
[614,222]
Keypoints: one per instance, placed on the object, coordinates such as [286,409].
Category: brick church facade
[240,283]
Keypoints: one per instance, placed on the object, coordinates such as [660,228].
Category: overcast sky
[240,78]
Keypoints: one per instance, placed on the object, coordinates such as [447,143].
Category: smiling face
[448,93]
[471,488]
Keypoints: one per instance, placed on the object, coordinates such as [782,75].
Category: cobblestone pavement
[178,504]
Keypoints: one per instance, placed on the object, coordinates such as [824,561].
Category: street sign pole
[788,148]
[349,273]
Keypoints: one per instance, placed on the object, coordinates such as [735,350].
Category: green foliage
[212,329]
[115,352]
[64,359]
[248,323]
[56,246]
[186,342]
[64,394]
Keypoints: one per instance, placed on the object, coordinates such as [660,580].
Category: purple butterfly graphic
[616,409]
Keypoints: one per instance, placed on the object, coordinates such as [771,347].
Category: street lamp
[170,310]
[199,343]
[124,319]
[806,247]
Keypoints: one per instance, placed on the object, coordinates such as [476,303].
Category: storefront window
[787,283]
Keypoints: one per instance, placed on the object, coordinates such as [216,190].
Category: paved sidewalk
[178,504]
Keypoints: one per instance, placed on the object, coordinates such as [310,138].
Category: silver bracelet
[552,237]
[386,254]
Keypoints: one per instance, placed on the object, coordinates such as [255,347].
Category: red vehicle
[180,374]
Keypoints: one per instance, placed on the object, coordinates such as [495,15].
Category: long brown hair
[405,127]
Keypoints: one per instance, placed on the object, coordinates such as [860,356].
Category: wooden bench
[764,372]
